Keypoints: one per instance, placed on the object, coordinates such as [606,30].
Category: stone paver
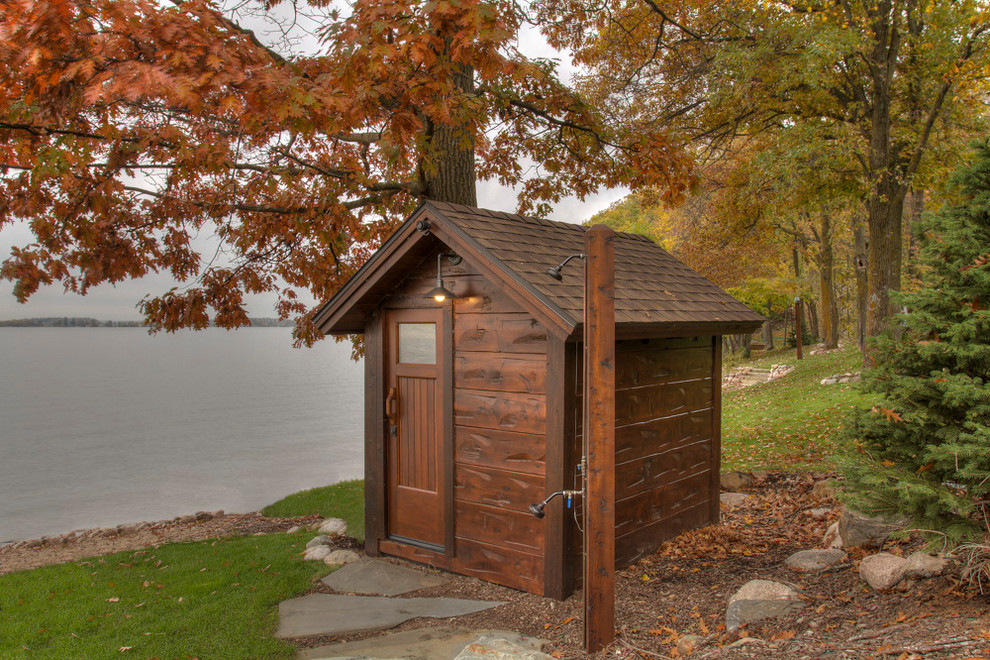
[331,614]
[373,576]
[424,644]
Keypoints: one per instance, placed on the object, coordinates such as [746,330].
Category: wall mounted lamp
[440,292]
[554,271]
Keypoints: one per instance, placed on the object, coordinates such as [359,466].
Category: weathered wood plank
[553,583]
[500,527]
[512,568]
[518,452]
[657,470]
[375,479]
[501,372]
[642,541]
[716,458]
[653,505]
[644,404]
[641,368]
[499,333]
[498,488]
[657,435]
[521,413]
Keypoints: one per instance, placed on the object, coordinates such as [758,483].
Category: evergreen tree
[923,452]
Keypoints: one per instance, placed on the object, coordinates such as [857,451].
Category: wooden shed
[473,405]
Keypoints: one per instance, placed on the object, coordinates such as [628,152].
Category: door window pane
[418,343]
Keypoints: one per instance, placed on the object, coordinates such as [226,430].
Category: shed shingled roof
[652,287]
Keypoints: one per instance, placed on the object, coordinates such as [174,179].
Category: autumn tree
[883,77]
[130,127]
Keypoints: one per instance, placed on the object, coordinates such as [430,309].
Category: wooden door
[413,404]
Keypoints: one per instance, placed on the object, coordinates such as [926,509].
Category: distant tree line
[86,322]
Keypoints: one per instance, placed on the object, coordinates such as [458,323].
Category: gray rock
[341,557]
[418,644]
[497,647]
[812,561]
[883,570]
[832,538]
[924,565]
[317,553]
[331,614]
[857,529]
[820,513]
[761,599]
[734,481]
[687,644]
[322,539]
[732,500]
[333,527]
[293,529]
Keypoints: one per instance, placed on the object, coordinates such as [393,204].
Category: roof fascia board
[368,275]
[555,318]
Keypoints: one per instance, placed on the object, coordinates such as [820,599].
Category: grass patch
[208,599]
[344,500]
[790,423]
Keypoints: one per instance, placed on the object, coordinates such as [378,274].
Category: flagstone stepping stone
[331,614]
[499,647]
[425,644]
[373,576]
[812,561]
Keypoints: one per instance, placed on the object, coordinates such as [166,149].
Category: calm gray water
[102,426]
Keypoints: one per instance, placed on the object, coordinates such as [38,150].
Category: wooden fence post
[599,433]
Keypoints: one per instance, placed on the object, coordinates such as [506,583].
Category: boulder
[857,529]
[333,527]
[732,500]
[317,553]
[761,599]
[322,539]
[341,557]
[812,561]
[924,565]
[832,538]
[883,570]
[736,481]
[687,644]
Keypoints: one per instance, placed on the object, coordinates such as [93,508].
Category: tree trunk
[826,282]
[861,261]
[914,207]
[448,174]
[883,272]
[812,308]
[768,333]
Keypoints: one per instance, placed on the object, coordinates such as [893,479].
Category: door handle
[390,401]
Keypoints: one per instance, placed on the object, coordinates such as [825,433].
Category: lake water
[102,426]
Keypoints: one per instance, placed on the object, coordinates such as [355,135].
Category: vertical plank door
[413,405]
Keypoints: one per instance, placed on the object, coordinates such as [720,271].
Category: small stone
[924,565]
[733,481]
[33,543]
[821,513]
[761,599]
[857,529]
[294,529]
[733,500]
[883,570]
[687,644]
[832,539]
[317,553]
[823,489]
[333,527]
[186,519]
[341,557]
[315,526]
[812,561]
[203,515]
[322,539]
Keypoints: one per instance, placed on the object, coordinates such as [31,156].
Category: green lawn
[344,500]
[790,423]
[208,599]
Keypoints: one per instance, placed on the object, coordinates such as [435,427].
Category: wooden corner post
[599,433]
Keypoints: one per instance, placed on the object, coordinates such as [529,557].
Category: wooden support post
[797,326]
[599,433]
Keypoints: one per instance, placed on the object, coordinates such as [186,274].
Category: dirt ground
[682,589]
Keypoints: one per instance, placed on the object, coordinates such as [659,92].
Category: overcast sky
[119,303]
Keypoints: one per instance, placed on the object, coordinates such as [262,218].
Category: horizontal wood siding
[500,412]
[664,401]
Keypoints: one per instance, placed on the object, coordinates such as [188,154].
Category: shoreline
[27,554]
